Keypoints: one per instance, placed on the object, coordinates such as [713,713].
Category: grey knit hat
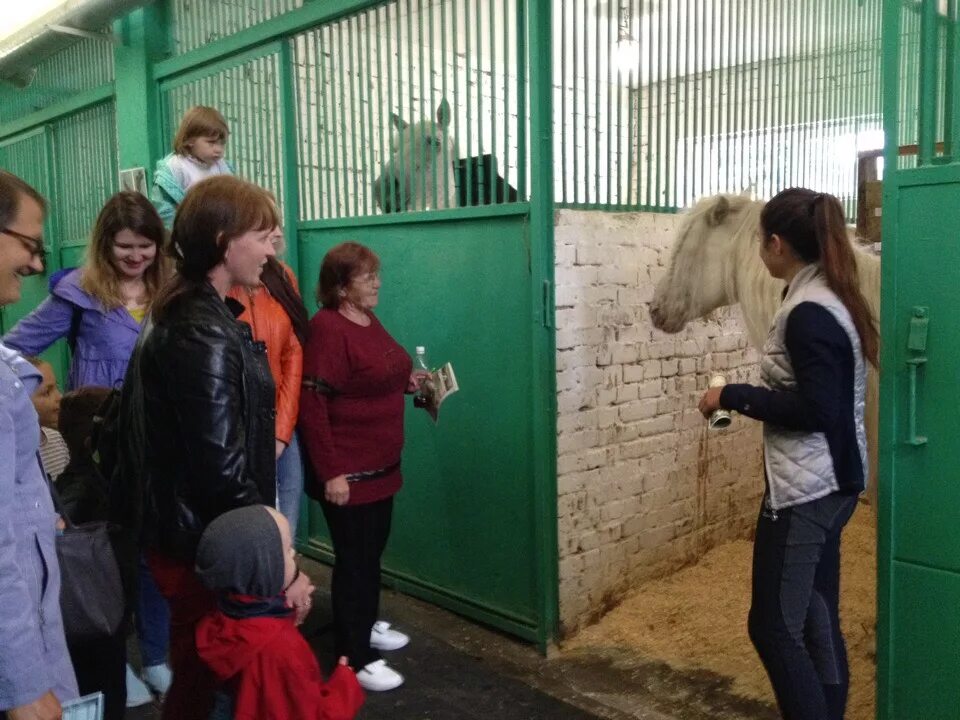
[242,552]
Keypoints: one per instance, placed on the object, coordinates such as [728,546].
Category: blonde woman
[100,307]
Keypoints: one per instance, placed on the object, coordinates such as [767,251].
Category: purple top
[33,650]
[105,338]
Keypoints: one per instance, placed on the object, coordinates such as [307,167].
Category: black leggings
[794,616]
[359,534]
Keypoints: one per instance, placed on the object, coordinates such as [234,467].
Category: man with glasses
[35,670]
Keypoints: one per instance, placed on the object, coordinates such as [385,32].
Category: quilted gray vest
[799,466]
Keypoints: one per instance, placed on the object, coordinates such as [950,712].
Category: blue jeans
[290,483]
[153,620]
[794,615]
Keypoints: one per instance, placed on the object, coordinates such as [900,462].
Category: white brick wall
[643,486]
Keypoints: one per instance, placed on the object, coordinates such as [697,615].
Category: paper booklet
[435,388]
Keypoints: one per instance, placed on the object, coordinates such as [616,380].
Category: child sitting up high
[198,149]
[250,642]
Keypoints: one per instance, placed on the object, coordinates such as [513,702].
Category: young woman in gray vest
[814,374]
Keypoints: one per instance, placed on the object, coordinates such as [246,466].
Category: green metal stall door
[918,660]
[463,530]
[29,156]
[921,375]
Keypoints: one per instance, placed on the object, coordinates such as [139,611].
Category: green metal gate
[72,161]
[918,662]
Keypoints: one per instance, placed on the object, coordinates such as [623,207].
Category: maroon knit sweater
[358,427]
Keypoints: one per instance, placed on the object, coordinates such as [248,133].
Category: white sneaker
[158,678]
[383,638]
[137,693]
[378,677]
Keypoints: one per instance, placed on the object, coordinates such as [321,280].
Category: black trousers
[795,612]
[359,534]
[100,665]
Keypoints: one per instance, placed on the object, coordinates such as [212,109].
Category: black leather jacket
[198,410]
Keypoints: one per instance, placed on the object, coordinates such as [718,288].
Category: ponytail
[839,265]
[813,225]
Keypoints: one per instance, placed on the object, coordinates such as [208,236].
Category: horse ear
[398,122]
[718,213]
[443,113]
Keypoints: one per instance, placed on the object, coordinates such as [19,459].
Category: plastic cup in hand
[719,419]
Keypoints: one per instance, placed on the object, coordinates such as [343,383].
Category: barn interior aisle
[696,619]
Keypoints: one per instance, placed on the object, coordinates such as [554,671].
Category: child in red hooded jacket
[250,642]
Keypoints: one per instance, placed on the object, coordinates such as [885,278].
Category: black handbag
[91,593]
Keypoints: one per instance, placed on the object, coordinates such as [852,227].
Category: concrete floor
[457,670]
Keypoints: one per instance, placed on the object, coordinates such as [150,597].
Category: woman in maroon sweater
[351,419]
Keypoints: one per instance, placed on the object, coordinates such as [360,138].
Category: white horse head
[716,263]
[419,174]
[715,239]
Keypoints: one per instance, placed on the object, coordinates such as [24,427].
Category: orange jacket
[271,324]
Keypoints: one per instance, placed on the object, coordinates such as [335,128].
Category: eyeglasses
[34,245]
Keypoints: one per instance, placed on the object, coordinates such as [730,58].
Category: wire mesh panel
[411,105]
[85,155]
[84,65]
[659,102]
[194,23]
[248,94]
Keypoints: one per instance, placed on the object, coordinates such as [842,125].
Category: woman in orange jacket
[275,312]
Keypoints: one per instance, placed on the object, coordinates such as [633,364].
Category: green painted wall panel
[464,523]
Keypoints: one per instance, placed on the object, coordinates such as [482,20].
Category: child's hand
[343,661]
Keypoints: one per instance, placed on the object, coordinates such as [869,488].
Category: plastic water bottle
[421,361]
[721,418]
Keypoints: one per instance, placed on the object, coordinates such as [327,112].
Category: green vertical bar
[952,122]
[390,94]
[425,113]
[311,172]
[343,164]
[628,198]
[647,107]
[927,107]
[455,37]
[576,104]
[356,107]
[672,102]
[290,137]
[479,81]
[407,153]
[523,153]
[506,91]
[701,98]
[139,122]
[544,350]
[444,159]
[333,129]
[597,124]
[385,131]
[494,78]
[471,198]
[611,182]
[324,95]
[893,86]
[373,77]
[560,79]
[635,142]
[660,110]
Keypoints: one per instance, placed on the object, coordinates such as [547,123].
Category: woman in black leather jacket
[198,410]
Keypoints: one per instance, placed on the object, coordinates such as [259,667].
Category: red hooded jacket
[273,672]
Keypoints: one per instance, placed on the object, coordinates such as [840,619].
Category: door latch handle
[917,344]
